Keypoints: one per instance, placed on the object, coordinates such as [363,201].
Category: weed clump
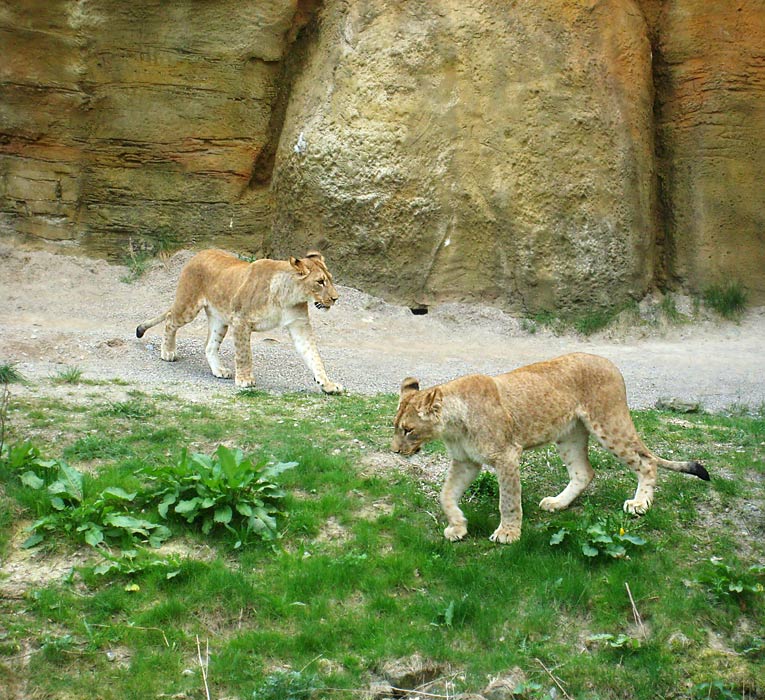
[727,299]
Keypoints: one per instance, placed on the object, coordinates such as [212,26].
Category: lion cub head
[315,279]
[418,417]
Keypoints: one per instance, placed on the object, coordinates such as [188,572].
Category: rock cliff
[560,155]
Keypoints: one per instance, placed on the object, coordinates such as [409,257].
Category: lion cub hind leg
[572,448]
[461,475]
[618,435]
[217,326]
[176,318]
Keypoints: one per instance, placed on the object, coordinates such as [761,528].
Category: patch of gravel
[63,310]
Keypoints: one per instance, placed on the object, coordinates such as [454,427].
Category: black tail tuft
[697,469]
[139,332]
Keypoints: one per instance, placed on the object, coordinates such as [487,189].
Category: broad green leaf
[104,568]
[187,506]
[276,469]
[558,537]
[632,539]
[166,502]
[244,509]
[589,551]
[601,637]
[32,541]
[72,479]
[94,536]
[31,480]
[119,493]
[58,503]
[159,536]
[223,514]
[616,551]
[128,522]
[449,614]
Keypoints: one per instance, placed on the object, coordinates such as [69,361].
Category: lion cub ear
[409,386]
[434,401]
[315,255]
[299,266]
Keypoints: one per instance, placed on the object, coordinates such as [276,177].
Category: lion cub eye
[408,432]
[322,282]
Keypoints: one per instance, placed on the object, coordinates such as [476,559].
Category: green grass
[68,375]
[727,299]
[9,374]
[362,575]
[143,250]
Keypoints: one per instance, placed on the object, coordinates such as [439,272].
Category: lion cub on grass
[491,420]
[249,296]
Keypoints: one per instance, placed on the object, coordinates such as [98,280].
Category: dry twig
[203,664]
[555,680]
[636,614]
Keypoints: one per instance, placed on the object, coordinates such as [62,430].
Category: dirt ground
[64,311]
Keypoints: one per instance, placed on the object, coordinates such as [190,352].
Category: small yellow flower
[621,532]
[132,588]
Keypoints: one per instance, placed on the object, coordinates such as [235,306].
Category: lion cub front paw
[223,373]
[454,533]
[245,382]
[635,507]
[332,388]
[168,356]
[505,534]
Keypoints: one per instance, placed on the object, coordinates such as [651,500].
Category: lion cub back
[220,278]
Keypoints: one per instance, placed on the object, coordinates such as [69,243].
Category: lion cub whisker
[490,421]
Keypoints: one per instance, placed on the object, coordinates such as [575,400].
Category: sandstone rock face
[562,155]
[138,119]
[710,73]
[467,149]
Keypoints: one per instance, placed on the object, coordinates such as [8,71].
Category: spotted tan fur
[491,420]
[249,296]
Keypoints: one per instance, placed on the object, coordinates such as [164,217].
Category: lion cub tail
[693,467]
[140,330]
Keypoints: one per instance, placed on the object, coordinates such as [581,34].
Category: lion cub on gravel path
[249,296]
[491,420]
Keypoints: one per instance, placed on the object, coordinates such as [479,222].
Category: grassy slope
[363,575]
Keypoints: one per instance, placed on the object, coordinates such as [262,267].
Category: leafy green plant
[63,509]
[715,690]
[137,561]
[287,685]
[727,299]
[225,490]
[619,641]
[604,536]
[101,520]
[727,581]
[17,456]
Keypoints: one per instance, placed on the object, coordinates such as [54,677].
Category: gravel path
[61,310]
